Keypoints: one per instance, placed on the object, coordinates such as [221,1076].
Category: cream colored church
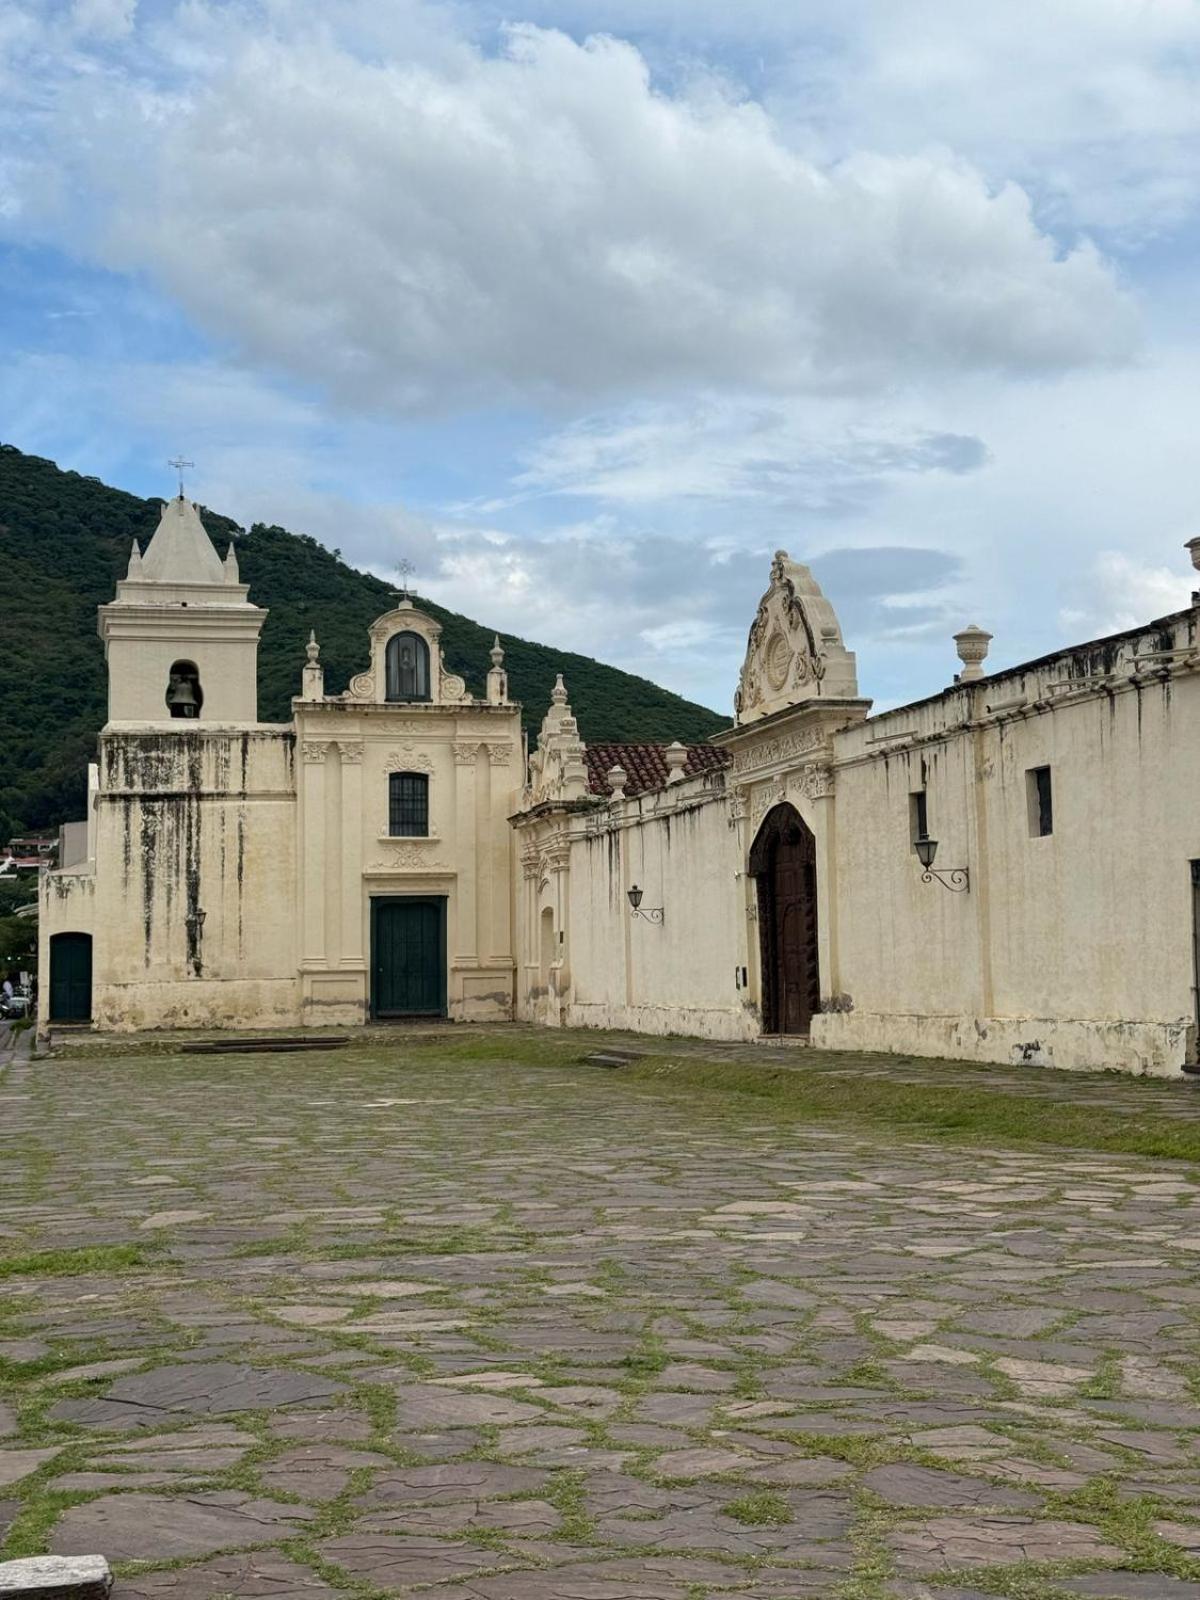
[1007,871]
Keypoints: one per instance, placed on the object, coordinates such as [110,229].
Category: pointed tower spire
[181,551]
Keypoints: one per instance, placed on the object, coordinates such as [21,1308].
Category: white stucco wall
[187,821]
[1075,949]
[615,970]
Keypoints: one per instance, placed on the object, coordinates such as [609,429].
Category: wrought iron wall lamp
[650,914]
[956,879]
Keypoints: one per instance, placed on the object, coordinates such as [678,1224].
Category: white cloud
[104,19]
[1091,104]
[1122,592]
[817,455]
[406,223]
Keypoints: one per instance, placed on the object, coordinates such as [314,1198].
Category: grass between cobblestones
[942,1109]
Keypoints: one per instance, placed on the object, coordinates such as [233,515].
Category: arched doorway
[783,861]
[70,977]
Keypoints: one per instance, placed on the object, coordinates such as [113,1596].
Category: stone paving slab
[498,1329]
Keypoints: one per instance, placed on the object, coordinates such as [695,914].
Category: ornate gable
[795,651]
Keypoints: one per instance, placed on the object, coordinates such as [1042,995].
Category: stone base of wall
[1152,1049]
[697,1022]
[200,1003]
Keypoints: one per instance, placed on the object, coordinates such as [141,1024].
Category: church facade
[1007,871]
[352,864]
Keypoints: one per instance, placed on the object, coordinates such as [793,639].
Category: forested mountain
[64,542]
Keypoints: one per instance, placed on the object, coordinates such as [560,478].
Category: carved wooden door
[794,891]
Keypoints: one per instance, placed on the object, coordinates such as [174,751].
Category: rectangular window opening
[408,805]
[1041,802]
[918,815]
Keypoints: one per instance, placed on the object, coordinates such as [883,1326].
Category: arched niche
[406,667]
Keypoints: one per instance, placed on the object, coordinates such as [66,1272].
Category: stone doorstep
[55,1578]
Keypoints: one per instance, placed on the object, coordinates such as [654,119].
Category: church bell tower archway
[783,862]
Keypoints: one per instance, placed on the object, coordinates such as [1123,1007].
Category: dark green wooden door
[71,977]
[408,956]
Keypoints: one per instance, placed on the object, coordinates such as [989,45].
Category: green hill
[64,542]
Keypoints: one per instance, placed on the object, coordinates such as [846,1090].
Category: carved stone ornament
[465,755]
[351,754]
[362,686]
[813,783]
[766,796]
[795,650]
[737,806]
[500,755]
[407,758]
[313,753]
[783,748]
[409,858]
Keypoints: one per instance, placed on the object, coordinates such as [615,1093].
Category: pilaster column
[465,779]
[312,852]
[333,856]
[352,854]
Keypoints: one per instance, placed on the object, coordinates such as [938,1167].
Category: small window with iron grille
[408,805]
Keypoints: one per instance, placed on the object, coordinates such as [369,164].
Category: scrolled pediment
[795,651]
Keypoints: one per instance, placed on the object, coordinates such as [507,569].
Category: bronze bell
[181,697]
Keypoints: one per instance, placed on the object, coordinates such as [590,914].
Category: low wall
[197,1003]
[1145,1049]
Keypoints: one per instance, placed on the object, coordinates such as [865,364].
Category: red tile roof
[646,764]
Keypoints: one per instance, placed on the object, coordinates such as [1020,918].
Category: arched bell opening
[184,695]
[783,863]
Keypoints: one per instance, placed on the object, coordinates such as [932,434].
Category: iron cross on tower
[179,463]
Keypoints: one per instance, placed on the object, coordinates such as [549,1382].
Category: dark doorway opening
[783,862]
[70,977]
[408,956]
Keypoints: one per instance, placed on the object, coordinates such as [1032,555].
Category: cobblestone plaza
[472,1316]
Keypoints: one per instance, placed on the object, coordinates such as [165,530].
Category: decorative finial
[616,777]
[405,570]
[497,652]
[559,692]
[231,564]
[676,758]
[1193,549]
[312,649]
[135,562]
[972,644]
[179,463]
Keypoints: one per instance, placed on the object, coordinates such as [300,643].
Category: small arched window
[407,664]
[408,805]
[184,695]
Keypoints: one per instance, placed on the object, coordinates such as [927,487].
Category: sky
[586,307]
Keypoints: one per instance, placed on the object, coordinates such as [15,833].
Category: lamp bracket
[650,914]
[956,879]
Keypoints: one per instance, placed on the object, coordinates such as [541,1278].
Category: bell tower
[181,637]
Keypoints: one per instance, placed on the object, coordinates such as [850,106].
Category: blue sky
[587,307]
